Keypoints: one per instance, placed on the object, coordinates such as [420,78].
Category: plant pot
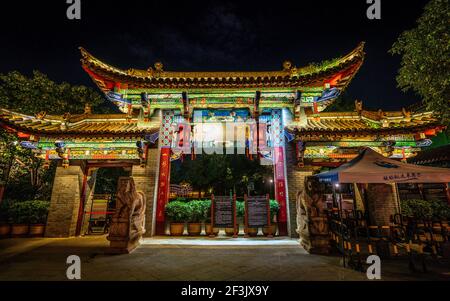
[19,230]
[273,228]
[229,231]
[194,229]
[5,230]
[176,229]
[210,230]
[37,230]
[251,231]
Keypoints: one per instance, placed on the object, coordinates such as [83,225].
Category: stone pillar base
[282,229]
[122,246]
[160,228]
[319,245]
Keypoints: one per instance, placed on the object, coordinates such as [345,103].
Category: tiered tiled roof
[83,124]
[364,123]
[438,156]
[339,72]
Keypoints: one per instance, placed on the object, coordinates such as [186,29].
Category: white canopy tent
[372,167]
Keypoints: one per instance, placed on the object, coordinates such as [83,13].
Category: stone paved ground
[44,259]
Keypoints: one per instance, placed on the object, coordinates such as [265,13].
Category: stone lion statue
[129,218]
[311,218]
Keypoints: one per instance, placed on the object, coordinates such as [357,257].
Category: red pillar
[165,140]
[163,190]
[280,189]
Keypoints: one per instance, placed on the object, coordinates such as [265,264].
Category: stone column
[65,201]
[382,203]
[145,181]
[295,181]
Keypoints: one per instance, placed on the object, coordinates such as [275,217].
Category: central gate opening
[197,183]
[226,174]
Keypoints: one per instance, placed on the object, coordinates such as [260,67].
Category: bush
[240,209]
[422,209]
[440,209]
[206,211]
[195,211]
[28,212]
[416,209]
[274,209]
[177,212]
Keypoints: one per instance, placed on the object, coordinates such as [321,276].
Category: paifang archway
[155,102]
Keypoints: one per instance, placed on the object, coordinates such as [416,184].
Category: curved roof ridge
[288,69]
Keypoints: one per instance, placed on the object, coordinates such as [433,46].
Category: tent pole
[399,207]
[341,224]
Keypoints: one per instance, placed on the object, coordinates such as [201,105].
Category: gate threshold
[220,241]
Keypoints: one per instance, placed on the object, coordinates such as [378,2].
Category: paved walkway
[173,259]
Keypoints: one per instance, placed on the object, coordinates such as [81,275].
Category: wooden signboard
[223,212]
[257,212]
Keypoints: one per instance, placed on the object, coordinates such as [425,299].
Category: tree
[344,103]
[425,63]
[20,171]
[30,95]
[221,173]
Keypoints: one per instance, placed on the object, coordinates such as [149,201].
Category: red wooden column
[165,139]
[279,170]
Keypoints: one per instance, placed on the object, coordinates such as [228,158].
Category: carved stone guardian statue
[127,225]
[311,217]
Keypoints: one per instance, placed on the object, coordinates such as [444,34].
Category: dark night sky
[209,35]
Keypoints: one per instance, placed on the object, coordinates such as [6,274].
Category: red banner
[163,189]
[280,188]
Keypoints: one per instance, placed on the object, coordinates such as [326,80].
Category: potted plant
[38,217]
[176,213]
[195,217]
[209,230]
[240,213]
[19,214]
[274,209]
[5,227]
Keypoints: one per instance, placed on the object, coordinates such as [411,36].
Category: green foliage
[107,179]
[220,174]
[240,209]
[425,209]
[177,212]
[22,172]
[425,64]
[195,211]
[34,212]
[441,210]
[416,208]
[37,93]
[206,211]
[274,209]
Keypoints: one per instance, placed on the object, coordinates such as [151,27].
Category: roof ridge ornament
[41,115]
[358,107]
